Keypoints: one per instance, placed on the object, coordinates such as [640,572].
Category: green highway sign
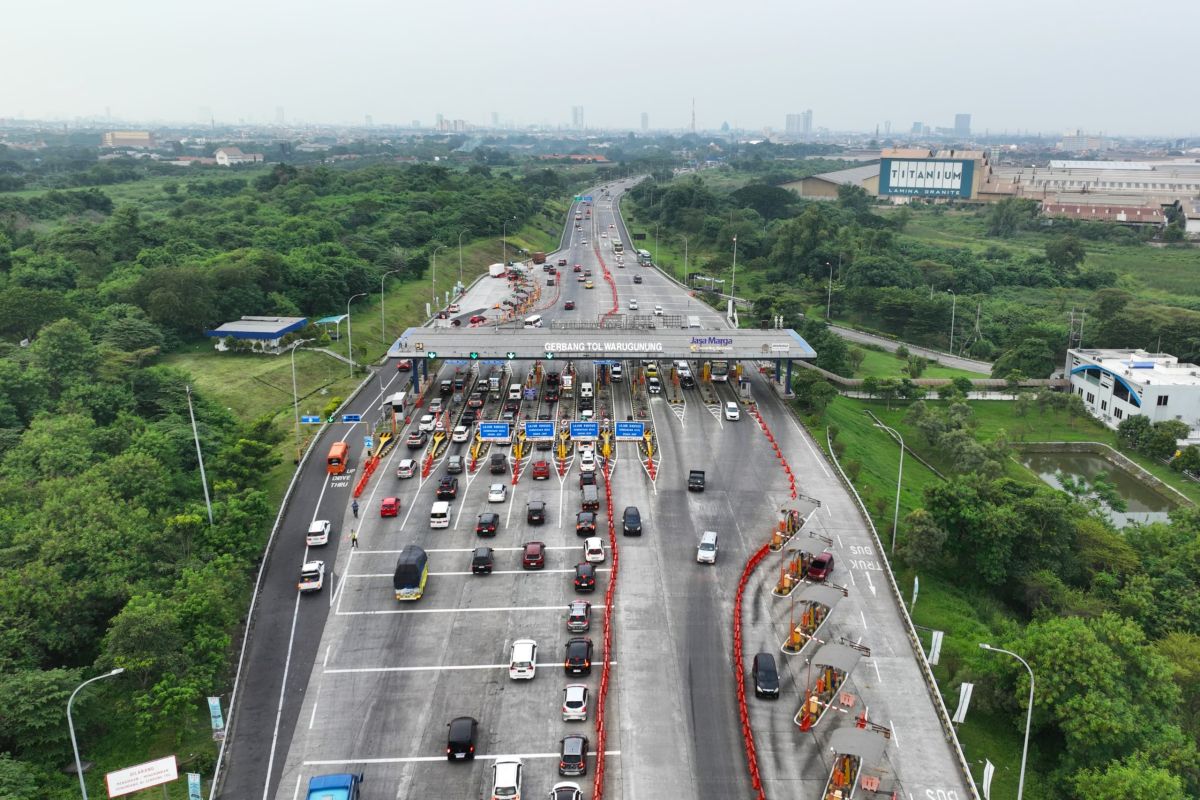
[549,354]
[474,356]
[431,355]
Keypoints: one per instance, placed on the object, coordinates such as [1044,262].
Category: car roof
[534,545]
[576,688]
[312,566]
[537,503]
[584,566]
[489,516]
[318,524]
[593,541]
[574,742]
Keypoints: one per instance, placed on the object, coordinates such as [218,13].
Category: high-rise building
[279,118]
[918,128]
[645,121]
[799,124]
[962,125]
[577,117]
[441,123]
[806,126]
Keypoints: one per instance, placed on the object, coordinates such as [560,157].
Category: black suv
[585,577]
[535,512]
[460,741]
[482,561]
[585,523]
[469,416]
[498,464]
[579,656]
[552,379]
[766,677]
[447,488]
[573,760]
[631,522]
[487,524]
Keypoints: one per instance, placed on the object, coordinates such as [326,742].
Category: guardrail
[931,685]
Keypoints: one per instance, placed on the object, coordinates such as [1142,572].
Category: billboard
[926,177]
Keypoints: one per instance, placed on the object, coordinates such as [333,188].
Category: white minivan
[522,661]
[439,514]
[706,553]
[533,322]
[514,391]
[585,391]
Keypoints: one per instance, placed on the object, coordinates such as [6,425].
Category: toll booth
[857,763]
[812,610]
[830,669]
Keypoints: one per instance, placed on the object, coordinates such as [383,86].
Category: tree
[922,542]
[1066,253]
[18,778]
[856,357]
[1131,779]
[916,366]
[31,709]
[1005,218]
[854,198]
[1033,356]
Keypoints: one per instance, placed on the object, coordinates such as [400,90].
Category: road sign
[310,420]
[431,355]
[585,430]
[368,442]
[494,362]
[495,431]
[142,776]
[539,431]
[549,354]
[474,356]
[510,355]
[630,431]
[218,720]
[456,361]
[587,198]
[193,786]
[351,417]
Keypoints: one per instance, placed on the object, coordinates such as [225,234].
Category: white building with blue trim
[1117,384]
[264,332]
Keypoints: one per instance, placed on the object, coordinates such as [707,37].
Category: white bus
[533,322]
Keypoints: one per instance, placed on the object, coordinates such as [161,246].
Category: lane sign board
[630,431]
[310,420]
[495,431]
[585,430]
[368,442]
[539,431]
[351,417]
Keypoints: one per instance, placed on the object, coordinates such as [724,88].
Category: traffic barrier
[740,672]
[368,470]
[606,649]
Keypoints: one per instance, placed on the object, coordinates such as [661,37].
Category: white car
[732,413]
[566,790]
[583,241]
[506,779]
[586,414]
[453,309]
[426,423]
[658,312]
[407,468]
[497,493]
[318,532]
[603,234]
[587,461]
[461,434]
[575,703]
[593,550]
[653,385]
[312,577]
[633,306]
[611,225]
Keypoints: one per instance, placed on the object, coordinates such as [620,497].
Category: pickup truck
[696,480]
[342,786]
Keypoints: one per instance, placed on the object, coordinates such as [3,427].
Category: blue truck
[342,786]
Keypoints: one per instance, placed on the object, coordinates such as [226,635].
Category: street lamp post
[733,280]
[460,268]
[656,242]
[504,241]
[350,329]
[295,395]
[382,300]
[953,305]
[1028,713]
[433,277]
[899,480]
[829,294]
[685,256]
[71,725]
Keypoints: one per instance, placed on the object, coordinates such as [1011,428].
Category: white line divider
[440,667]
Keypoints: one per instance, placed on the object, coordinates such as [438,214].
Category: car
[506,779]
[569,305]
[447,488]
[312,577]
[653,385]
[821,567]
[650,368]
[562,262]
[478,319]
[586,414]
[578,268]
[584,241]
[487,523]
[603,234]
[461,433]
[579,656]
[535,512]
[633,306]
[589,285]
[587,479]
[343,785]
[575,703]
[587,273]
[585,523]
[572,759]
[533,555]
[765,675]
[497,493]
[579,616]
[611,225]
[404,365]
[475,400]
[427,421]
[732,413]
[580,279]
[585,577]
[460,739]
[498,464]
[637,278]
[541,470]
[454,465]
[549,281]
[551,395]
[469,416]
[318,533]
[453,308]
[658,311]
[631,521]
[407,468]
[706,551]
[587,461]
[482,561]
[390,507]
[435,405]
[416,440]
[617,372]
[593,549]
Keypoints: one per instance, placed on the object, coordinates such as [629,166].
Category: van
[439,514]
[590,498]
[522,660]
[514,391]
[585,391]
[534,322]
[706,553]
[693,322]
[617,373]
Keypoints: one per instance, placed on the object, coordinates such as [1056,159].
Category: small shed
[267,332]
[336,321]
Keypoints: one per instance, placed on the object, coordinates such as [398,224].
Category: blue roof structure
[262,328]
[336,319]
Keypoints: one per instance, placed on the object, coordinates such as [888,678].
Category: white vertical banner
[989,769]
[916,587]
[964,702]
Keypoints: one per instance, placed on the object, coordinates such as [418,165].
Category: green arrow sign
[431,355]
[474,356]
[510,355]
[549,354]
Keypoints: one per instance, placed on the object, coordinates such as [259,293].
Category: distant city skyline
[887,70]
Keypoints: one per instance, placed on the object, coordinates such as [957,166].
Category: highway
[368,684]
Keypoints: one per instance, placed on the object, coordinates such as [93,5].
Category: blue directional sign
[456,361]
[539,430]
[310,420]
[351,417]
[495,431]
[530,393]
[585,430]
[587,198]
[629,431]
[368,442]
[494,362]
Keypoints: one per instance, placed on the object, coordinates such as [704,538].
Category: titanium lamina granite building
[1116,384]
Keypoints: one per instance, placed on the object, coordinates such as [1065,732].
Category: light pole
[953,304]
[733,281]
[504,241]
[656,242]
[295,395]
[382,316]
[1028,713]
[350,330]
[829,294]
[685,254]
[433,277]
[899,480]
[460,269]
[71,725]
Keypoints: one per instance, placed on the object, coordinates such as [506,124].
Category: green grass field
[886,365]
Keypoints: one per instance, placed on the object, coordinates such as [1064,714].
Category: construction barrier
[606,651]
[787,469]
[368,470]
[740,671]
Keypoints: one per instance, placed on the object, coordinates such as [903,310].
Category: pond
[1143,503]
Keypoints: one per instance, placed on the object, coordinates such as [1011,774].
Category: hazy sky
[1049,65]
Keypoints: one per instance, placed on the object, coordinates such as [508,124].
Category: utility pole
[199,455]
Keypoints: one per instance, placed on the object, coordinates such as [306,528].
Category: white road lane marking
[468,572]
[471,549]
[418,759]
[447,668]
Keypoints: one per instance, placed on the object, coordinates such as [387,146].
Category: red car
[533,556]
[404,365]
[578,268]
[821,567]
[478,319]
[390,507]
[569,305]
[541,470]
